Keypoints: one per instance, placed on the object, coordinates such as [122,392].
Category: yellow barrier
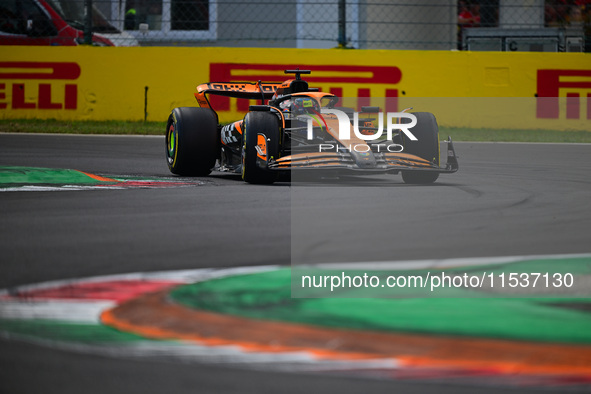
[135,83]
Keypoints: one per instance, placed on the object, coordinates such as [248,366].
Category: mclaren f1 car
[298,128]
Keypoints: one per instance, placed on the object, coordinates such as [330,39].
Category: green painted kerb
[11,176]
[65,331]
[267,296]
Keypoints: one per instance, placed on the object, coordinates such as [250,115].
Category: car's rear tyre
[262,141]
[426,147]
[191,141]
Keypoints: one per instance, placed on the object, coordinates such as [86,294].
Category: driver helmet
[304,105]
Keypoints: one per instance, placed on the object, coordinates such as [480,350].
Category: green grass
[81,127]
[461,134]
[157,128]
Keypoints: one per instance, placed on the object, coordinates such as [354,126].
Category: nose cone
[363,156]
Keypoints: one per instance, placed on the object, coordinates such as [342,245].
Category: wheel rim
[171,144]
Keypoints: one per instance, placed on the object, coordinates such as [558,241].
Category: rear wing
[245,90]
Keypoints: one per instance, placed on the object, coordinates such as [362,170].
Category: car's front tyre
[426,147]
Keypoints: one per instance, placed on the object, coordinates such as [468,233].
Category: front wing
[385,162]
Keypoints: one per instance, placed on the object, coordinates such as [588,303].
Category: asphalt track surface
[507,199]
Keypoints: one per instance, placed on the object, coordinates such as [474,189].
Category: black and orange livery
[293,129]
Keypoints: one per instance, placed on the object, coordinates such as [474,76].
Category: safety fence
[498,25]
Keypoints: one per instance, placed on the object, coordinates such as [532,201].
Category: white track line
[439,263]
[73,311]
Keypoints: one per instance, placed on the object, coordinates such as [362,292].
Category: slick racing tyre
[426,147]
[191,141]
[261,143]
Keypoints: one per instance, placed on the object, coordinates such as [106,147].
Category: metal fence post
[88,22]
[342,24]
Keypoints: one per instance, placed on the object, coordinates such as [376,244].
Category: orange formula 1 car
[297,128]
